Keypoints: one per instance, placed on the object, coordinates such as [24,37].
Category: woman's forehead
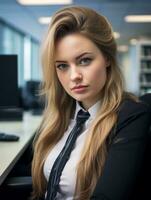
[73,46]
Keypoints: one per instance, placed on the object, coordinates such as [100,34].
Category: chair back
[143,189]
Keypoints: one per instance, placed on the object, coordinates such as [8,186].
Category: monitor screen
[8,81]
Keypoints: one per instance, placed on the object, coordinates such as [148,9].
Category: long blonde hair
[60,106]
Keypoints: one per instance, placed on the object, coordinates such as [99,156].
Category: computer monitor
[8,82]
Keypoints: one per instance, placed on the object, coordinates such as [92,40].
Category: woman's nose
[75,74]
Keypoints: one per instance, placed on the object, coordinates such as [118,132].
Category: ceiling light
[116,35]
[138,18]
[44,2]
[44,20]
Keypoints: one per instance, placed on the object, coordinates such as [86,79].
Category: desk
[10,152]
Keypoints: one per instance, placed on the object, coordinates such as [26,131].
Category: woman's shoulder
[135,116]
[130,107]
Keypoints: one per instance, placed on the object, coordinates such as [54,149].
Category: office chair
[30,97]
[25,182]
[143,186]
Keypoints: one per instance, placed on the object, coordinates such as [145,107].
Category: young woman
[81,73]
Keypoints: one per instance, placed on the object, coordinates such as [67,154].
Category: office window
[35,61]
[13,43]
[27,58]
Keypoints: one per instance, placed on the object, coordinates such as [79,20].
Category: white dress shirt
[68,177]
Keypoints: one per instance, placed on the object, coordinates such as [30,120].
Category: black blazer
[122,175]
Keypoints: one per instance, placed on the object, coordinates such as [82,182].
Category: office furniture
[11,152]
[30,95]
[145,67]
[139,69]
[143,187]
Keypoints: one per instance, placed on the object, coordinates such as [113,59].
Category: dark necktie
[58,166]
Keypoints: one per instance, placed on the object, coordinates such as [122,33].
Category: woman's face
[81,68]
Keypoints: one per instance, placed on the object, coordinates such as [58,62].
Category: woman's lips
[79,89]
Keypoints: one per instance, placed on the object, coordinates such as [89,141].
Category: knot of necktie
[82,116]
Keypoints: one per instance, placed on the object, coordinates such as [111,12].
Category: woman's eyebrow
[85,53]
[78,57]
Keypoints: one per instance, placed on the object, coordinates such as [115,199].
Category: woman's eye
[85,61]
[62,66]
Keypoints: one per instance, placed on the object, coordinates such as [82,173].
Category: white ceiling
[25,18]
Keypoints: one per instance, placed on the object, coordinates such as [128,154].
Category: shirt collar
[92,110]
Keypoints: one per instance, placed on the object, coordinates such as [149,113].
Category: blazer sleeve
[125,155]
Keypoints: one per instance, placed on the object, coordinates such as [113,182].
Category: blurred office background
[23,24]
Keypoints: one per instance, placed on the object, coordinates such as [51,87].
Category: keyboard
[8,137]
